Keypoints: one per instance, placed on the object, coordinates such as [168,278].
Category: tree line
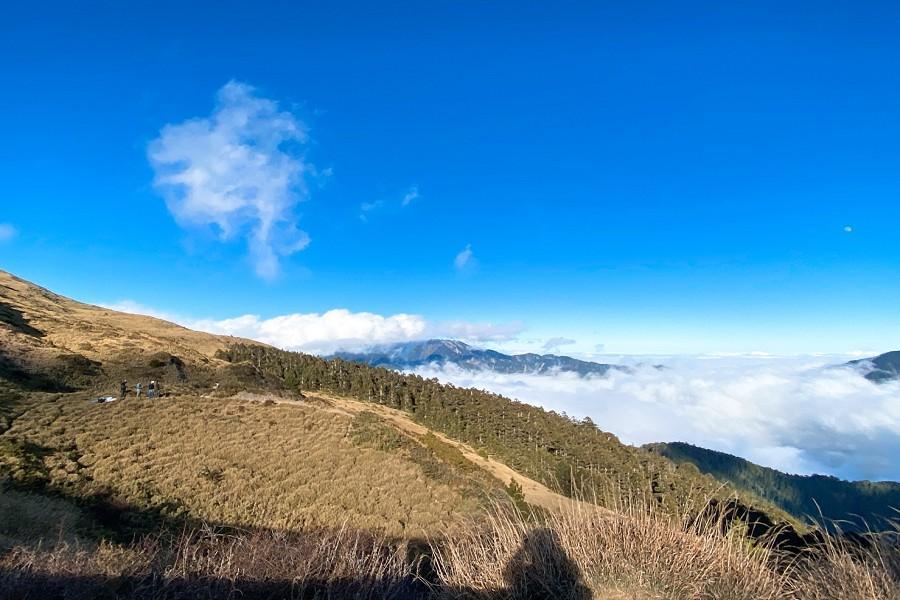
[571,456]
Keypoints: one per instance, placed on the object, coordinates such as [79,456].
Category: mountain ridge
[411,355]
[881,368]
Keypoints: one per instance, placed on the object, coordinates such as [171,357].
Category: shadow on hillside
[539,570]
[21,585]
[16,319]
[30,381]
[109,517]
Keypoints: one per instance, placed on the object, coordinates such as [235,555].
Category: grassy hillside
[241,463]
[55,345]
[802,496]
[269,474]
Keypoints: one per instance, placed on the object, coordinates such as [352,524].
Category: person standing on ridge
[123,389]
[151,389]
[137,389]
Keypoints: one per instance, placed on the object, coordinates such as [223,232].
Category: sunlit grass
[246,464]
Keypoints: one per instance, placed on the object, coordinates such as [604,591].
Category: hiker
[123,388]
[151,389]
[138,388]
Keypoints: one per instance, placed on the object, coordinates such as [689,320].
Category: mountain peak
[411,355]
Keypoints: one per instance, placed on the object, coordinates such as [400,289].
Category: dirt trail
[535,493]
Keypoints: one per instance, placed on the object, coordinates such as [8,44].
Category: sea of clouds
[799,415]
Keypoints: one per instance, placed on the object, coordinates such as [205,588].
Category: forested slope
[567,455]
[799,495]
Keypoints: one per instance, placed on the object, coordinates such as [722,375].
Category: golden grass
[840,570]
[246,464]
[307,479]
[580,552]
[208,564]
[97,332]
[575,554]
[534,492]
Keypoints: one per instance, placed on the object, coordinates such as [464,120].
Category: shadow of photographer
[541,569]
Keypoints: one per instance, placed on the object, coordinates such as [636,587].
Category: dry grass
[580,552]
[535,493]
[30,518]
[841,570]
[208,564]
[245,464]
[575,555]
[95,332]
[305,479]
[584,553]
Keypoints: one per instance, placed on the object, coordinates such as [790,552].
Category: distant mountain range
[799,495]
[884,367]
[410,355]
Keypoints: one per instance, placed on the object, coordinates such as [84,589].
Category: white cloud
[236,170]
[7,232]
[468,331]
[784,413]
[556,343]
[337,329]
[341,329]
[321,333]
[848,229]
[464,259]
[410,195]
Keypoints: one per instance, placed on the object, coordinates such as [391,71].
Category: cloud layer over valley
[790,414]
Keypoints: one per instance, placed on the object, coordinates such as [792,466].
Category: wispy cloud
[556,343]
[237,170]
[366,207]
[476,332]
[789,414]
[465,259]
[410,195]
[7,232]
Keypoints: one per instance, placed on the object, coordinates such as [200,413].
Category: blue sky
[663,178]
